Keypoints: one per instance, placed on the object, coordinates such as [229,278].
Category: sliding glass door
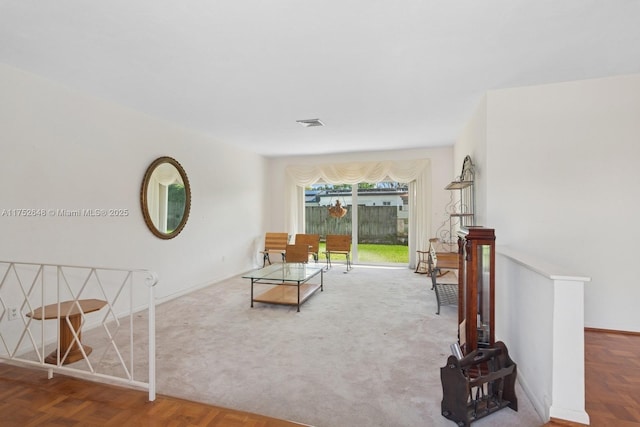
[376,215]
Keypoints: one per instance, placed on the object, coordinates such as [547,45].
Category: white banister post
[568,384]
[153,280]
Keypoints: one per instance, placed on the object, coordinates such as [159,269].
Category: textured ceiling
[379,74]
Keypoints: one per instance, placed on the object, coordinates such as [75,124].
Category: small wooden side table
[68,310]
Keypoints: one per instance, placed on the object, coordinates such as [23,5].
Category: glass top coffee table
[289,281]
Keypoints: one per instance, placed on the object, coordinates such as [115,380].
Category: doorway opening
[377,218]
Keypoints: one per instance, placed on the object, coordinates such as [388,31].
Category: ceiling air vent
[310,122]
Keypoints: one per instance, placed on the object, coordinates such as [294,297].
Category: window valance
[355,172]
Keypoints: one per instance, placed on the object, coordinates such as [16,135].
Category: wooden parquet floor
[612,379]
[612,373]
[28,398]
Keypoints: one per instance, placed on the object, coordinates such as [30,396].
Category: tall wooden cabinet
[476,288]
[481,380]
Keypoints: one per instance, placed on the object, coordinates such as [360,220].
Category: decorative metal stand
[459,212]
[478,384]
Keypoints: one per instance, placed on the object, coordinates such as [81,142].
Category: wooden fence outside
[376,224]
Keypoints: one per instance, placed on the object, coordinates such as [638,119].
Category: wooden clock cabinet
[476,289]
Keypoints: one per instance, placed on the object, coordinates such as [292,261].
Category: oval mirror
[165,197]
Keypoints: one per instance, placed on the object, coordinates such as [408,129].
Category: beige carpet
[365,352]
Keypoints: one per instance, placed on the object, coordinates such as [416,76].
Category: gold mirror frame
[145,202]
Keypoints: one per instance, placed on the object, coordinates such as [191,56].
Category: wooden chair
[422,266]
[312,241]
[338,244]
[274,243]
[426,258]
[298,252]
[444,262]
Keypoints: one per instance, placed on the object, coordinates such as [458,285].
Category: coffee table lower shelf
[288,294]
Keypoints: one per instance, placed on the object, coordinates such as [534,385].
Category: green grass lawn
[378,253]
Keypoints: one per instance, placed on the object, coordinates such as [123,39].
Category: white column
[568,384]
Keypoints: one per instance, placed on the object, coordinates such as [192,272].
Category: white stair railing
[92,322]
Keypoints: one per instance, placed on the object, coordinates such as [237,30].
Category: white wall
[562,184]
[64,150]
[473,142]
[441,171]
